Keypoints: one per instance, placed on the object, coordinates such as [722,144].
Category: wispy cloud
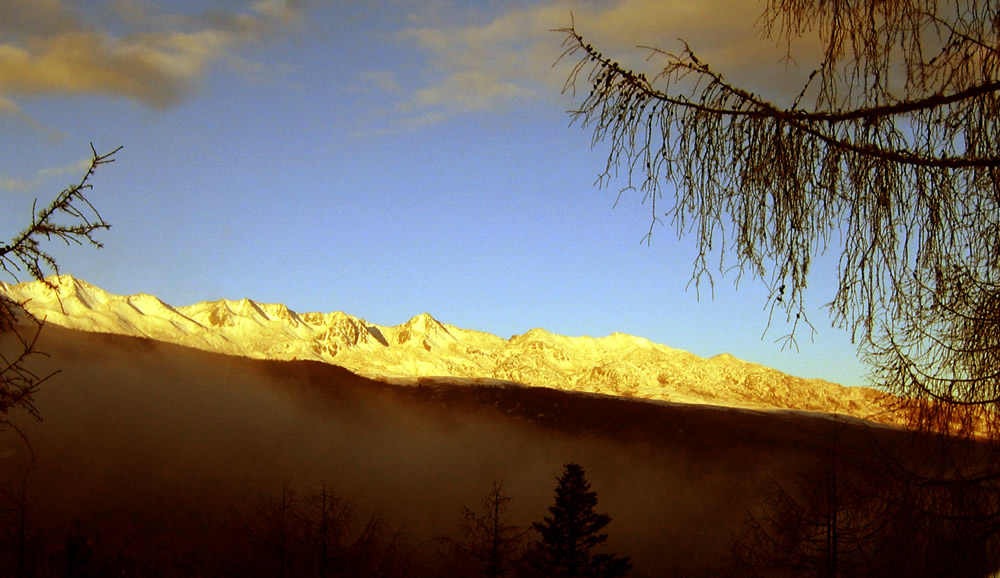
[487,66]
[509,58]
[42,177]
[145,54]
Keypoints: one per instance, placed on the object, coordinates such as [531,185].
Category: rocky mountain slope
[424,347]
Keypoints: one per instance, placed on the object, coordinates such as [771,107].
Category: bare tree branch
[889,155]
[26,254]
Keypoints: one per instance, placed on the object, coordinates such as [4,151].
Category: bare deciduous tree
[889,154]
[313,534]
[491,545]
[866,518]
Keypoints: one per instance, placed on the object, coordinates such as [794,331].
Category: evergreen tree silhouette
[574,529]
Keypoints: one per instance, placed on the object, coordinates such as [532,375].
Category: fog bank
[159,444]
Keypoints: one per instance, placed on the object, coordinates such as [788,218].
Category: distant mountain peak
[532,334]
[423,321]
[618,364]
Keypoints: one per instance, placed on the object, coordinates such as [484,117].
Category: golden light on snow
[617,364]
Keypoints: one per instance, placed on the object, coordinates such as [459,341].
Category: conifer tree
[573,530]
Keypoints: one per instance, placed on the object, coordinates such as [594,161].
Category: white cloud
[485,67]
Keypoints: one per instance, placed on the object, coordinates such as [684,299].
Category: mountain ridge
[424,347]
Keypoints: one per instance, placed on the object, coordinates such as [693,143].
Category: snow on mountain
[618,364]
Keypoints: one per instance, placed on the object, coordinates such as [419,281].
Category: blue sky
[380,158]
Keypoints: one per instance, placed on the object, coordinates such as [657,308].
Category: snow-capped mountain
[424,347]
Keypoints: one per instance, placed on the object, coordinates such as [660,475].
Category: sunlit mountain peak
[424,347]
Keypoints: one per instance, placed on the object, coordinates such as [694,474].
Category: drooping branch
[894,164]
[609,73]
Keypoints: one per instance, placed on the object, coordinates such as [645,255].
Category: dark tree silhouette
[869,524]
[865,509]
[70,218]
[313,534]
[16,535]
[573,530]
[837,522]
[327,519]
[888,155]
[490,545]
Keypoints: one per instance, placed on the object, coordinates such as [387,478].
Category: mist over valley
[161,454]
[158,458]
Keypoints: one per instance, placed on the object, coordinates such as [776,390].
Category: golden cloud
[486,66]
[48,48]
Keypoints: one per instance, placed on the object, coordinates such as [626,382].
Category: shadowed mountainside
[154,446]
